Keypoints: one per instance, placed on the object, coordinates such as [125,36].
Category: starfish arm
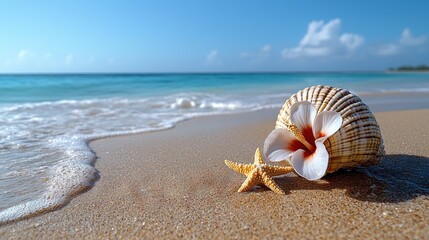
[269,182]
[239,167]
[278,170]
[251,181]
[259,158]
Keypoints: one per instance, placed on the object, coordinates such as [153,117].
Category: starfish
[259,173]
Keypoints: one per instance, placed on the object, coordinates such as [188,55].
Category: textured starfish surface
[259,173]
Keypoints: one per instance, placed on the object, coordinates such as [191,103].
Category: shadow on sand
[397,178]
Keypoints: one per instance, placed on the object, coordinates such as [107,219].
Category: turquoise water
[37,88]
[46,121]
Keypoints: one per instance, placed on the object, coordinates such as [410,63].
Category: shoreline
[377,105]
[174,184]
[406,71]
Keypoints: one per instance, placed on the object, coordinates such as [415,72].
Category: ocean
[47,121]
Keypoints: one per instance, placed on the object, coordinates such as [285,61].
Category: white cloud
[23,54]
[324,40]
[388,50]
[259,55]
[266,48]
[319,33]
[212,55]
[306,52]
[69,59]
[351,41]
[212,58]
[408,39]
[405,43]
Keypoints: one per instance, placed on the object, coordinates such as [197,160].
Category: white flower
[303,147]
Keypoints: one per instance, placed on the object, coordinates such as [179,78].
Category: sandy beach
[174,184]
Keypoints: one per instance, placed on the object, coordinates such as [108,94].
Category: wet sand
[174,184]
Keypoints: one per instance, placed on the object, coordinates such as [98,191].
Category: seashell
[357,142]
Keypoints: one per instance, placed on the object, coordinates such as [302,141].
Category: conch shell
[357,142]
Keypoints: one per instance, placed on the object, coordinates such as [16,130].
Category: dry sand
[174,184]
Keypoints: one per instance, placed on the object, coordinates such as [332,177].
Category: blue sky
[215,36]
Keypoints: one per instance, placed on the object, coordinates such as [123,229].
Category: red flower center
[307,132]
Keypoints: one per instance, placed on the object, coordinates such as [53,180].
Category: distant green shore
[420,68]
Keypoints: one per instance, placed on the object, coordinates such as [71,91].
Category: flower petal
[311,167]
[275,146]
[326,124]
[302,114]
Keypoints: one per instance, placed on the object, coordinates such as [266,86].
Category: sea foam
[44,150]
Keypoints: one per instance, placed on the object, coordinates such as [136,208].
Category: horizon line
[196,72]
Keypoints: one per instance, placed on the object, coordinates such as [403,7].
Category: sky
[105,36]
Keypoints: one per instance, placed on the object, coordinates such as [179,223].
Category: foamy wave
[186,103]
[219,105]
[67,181]
[183,103]
[53,137]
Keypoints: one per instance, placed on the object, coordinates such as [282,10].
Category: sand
[174,184]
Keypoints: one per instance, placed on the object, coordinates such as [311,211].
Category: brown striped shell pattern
[358,140]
